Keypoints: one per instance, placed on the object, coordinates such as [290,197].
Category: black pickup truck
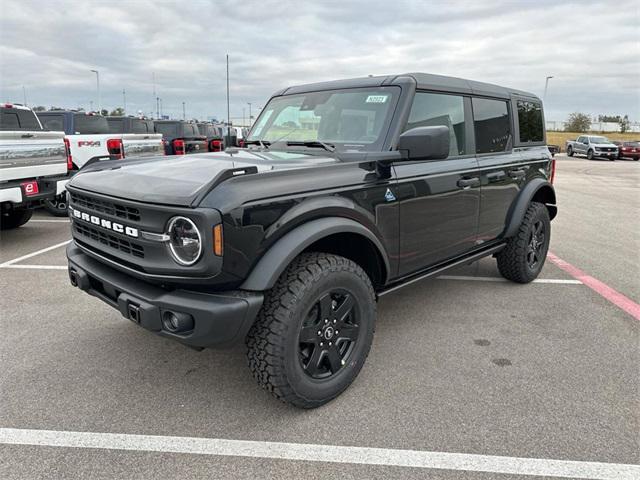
[347,191]
[180,137]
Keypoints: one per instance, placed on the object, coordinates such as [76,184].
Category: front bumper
[219,319]
[605,154]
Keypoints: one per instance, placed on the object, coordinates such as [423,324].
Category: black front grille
[104,206]
[124,246]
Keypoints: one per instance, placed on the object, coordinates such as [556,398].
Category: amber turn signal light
[217,240]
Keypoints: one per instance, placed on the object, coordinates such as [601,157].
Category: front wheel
[57,206]
[15,218]
[523,257]
[314,331]
[590,155]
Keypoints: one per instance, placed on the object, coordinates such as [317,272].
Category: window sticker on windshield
[377,98]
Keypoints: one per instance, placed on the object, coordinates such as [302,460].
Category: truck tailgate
[142,145]
[30,154]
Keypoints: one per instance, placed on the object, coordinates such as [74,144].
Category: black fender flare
[519,207]
[269,268]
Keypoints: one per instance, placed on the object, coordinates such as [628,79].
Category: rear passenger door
[439,199]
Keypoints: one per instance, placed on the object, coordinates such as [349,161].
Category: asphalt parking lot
[464,364]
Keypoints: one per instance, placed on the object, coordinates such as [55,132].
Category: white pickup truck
[33,165]
[92,138]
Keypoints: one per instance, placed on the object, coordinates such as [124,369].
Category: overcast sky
[592,49]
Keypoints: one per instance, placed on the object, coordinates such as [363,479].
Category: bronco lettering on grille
[108,224]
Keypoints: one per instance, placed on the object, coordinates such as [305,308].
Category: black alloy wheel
[536,244]
[329,334]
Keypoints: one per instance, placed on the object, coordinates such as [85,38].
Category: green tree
[578,122]
[118,112]
[39,108]
[104,112]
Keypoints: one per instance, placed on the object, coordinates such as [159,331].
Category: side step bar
[440,268]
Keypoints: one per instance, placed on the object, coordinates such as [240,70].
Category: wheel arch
[337,235]
[538,190]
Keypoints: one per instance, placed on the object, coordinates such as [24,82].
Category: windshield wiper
[314,144]
[263,143]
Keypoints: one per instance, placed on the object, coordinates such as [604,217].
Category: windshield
[599,140]
[350,119]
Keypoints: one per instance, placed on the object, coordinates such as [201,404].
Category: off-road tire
[513,259]
[15,218]
[273,341]
[589,154]
[58,206]
[570,151]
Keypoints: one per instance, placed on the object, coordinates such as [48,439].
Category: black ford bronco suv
[346,191]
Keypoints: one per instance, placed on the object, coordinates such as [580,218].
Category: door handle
[469,182]
[517,173]
[496,176]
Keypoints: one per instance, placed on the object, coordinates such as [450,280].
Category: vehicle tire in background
[589,154]
[15,218]
[570,151]
[57,206]
[523,258]
[314,331]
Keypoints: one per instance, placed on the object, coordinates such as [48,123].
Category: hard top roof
[423,81]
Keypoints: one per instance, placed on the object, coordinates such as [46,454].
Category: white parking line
[29,255]
[48,220]
[569,281]
[37,267]
[322,453]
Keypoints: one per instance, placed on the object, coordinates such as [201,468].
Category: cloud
[50,48]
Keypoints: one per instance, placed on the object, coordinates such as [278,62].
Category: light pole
[546,86]
[124,102]
[98,84]
[249,103]
[184,115]
[244,121]
[161,108]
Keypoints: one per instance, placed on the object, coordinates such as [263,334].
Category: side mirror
[425,143]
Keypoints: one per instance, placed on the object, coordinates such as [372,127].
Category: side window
[580,140]
[55,123]
[491,125]
[436,109]
[9,120]
[530,121]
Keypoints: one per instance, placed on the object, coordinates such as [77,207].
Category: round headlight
[184,240]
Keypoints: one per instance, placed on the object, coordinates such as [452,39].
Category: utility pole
[184,115]
[124,102]
[153,79]
[244,121]
[546,86]
[24,95]
[249,103]
[91,105]
[98,84]
[161,115]
[228,140]
[157,108]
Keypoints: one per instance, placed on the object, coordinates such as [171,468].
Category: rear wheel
[590,154]
[523,258]
[57,206]
[570,151]
[314,331]
[15,218]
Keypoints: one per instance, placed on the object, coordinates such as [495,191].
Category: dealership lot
[462,364]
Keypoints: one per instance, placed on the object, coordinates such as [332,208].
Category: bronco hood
[179,180]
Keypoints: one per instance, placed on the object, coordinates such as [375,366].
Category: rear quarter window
[139,126]
[90,124]
[491,125]
[54,123]
[167,129]
[116,125]
[530,121]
